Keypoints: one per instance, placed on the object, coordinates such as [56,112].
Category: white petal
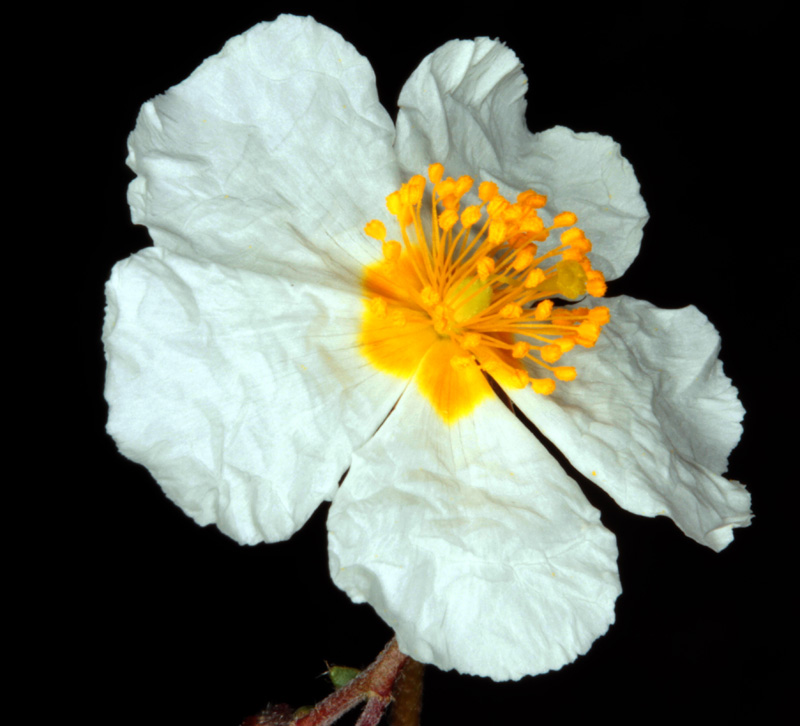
[242,394]
[465,107]
[271,156]
[651,418]
[472,543]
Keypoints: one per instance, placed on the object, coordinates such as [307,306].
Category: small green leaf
[342,675]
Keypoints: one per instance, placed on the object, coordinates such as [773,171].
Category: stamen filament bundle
[475,277]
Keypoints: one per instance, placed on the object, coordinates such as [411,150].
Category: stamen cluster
[476,274]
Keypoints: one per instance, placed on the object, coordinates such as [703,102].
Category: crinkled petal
[472,543]
[465,107]
[651,419]
[271,156]
[244,395]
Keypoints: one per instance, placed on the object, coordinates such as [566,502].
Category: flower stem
[374,684]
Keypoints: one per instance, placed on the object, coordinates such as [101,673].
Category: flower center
[468,293]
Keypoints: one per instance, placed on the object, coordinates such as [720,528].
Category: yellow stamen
[468,293]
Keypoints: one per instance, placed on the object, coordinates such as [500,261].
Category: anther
[565,219]
[543,309]
[599,315]
[376,229]
[596,283]
[565,373]
[551,353]
[535,278]
[512,310]
[435,173]
[532,199]
[470,216]
[487,191]
[448,219]
[520,349]
[544,386]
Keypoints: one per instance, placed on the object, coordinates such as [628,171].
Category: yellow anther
[566,344]
[396,206]
[565,219]
[487,191]
[448,219]
[551,353]
[461,362]
[463,185]
[393,203]
[520,349]
[582,244]
[391,250]
[512,310]
[599,315]
[445,187]
[573,254]
[430,297]
[565,373]
[563,316]
[471,215]
[496,205]
[545,386]
[376,229]
[588,332]
[377,306]
[435,173]
[543,310]
[531,223]
[524,257]
[532,199]
[569,236]
[596,283]
[512,213]
[518,378]
[485,267]
[535,278]
[416,188]
[497,232]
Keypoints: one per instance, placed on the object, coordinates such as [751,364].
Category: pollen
[474,288]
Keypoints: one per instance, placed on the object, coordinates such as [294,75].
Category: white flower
[237,373]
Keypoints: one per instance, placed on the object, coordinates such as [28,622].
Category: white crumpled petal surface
[476,548]
[659,444]
[270,156]
[234,373]
[233,386]
[465,108]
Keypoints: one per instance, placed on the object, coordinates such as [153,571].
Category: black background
[184,626]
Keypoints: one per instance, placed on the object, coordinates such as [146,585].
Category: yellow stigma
[467,293]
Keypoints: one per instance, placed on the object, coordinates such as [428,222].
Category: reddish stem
[373,684]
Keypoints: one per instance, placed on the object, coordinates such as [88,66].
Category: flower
[243,371]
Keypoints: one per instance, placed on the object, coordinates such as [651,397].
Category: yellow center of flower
[468,294]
